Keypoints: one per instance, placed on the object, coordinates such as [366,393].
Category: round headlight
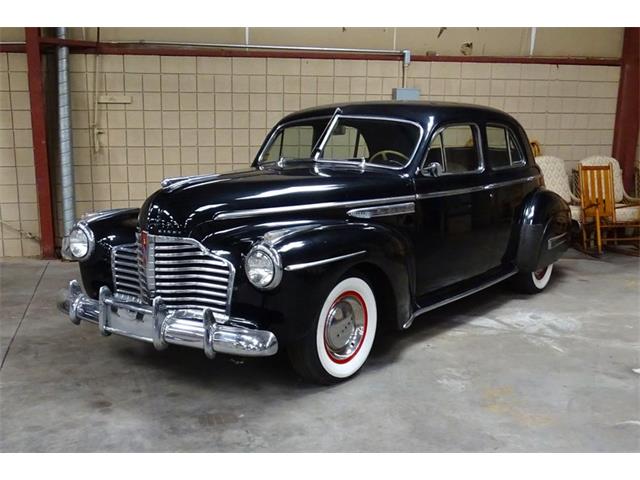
[263,267]
[79,242]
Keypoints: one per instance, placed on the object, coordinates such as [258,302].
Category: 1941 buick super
[352,217]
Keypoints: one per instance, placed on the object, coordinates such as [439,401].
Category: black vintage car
[352,218]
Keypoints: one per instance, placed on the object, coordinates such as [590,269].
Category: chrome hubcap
[345,327]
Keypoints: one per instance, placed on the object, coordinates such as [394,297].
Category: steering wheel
[385,157]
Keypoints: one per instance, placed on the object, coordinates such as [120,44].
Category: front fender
[315,258]
[109,227]
[544,230]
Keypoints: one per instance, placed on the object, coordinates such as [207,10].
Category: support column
[625,135]
[38,129]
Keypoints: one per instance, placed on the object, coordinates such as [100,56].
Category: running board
[458,296]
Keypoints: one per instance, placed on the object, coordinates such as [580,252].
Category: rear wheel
[342,337]
[533,282]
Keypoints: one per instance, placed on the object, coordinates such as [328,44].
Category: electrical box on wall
[406,94]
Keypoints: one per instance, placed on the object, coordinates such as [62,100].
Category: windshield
[369,140]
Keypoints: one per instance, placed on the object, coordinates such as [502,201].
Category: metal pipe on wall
[64,135]
[247,46]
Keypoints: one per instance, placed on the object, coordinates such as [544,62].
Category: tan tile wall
[197,115]
[570,110]
[18,202]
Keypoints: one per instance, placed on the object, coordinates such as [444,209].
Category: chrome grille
[180,270]
[126,278]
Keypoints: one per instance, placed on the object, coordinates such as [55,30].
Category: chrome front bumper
[212,332]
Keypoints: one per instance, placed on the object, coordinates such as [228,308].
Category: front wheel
[342,337]
[533,282]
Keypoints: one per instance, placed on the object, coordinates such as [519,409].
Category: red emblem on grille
[144,246]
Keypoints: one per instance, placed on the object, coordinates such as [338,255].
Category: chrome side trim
[420,311]
[479,188]
[383,210]
[254,212]
[301,266]
[556,241]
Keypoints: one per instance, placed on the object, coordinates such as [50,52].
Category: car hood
[179,207]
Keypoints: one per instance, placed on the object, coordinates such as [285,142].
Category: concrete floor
[494,372]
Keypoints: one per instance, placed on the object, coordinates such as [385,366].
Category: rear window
[503,149]
[456,149]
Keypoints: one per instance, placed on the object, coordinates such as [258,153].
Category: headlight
[79,244]
[263,267]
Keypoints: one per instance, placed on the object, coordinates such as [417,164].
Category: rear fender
[544,230]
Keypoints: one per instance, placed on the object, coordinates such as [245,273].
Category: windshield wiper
[317,149]
[356,161]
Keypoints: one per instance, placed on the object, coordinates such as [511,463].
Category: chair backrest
[618,186]
[555,176]
[596,191]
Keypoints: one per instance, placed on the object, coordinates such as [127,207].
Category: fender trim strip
[383,210]
[311,206]
[459,296]
[300,266]
[479,188]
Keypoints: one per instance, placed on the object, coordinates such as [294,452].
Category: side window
[503,150]
[497,147]
[455,149]
[517,156]
[434,155]
[345,142]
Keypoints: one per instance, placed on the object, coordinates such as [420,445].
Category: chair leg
[598,233]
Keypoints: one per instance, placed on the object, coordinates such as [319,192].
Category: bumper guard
[212,332]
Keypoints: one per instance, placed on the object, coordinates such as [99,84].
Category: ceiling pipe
[64,135]
[248,46]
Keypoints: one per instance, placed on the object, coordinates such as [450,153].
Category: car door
[454,233]
[510,178]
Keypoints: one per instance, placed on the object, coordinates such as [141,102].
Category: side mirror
[434,169]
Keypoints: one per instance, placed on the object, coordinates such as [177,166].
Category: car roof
[422,112]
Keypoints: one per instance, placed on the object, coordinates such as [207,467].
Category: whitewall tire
[541,277]
[533,282]
[343,334]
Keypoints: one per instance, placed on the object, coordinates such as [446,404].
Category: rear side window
[503,149]
[456,149]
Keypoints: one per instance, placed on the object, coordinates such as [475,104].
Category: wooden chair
[598,202]
[627,207]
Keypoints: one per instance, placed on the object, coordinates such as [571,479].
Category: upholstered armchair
[557,180]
